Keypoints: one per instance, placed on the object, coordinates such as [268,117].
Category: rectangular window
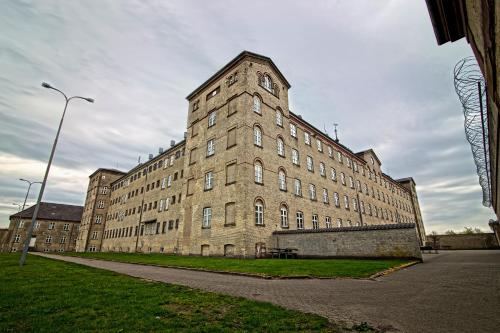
[307,138]
[192,156]
[293,130]
[325,196]
[230,173]
[298,188]
[333,174]
[51,225]
[209,180]
[232,107]
[100,204]
[328,222]
[330,151]
[211,118]
[213,93]
[207,217]
[315,221]
[163,183]
[230,213]
[319,144]
[62,240]
[310,165]
[160,206]
[322,171]
[231,137]
[210,147]
[300,220]
[17,238]
[312,192]
[346,202]
[284,217]
[66,226]
[295,156]
[164,227]
[98,220]
[48,239]
[190,186]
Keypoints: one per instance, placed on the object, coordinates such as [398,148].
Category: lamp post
[27,192]
[44,182]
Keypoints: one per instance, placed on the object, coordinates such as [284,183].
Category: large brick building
[247,167]
[56,228]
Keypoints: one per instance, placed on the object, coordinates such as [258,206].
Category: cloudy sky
[372,66]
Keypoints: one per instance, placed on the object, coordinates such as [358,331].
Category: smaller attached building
[56,228]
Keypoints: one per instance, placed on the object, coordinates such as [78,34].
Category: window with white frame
[322,171]
[94,235]
[207,217]
[295,156]
[293,130]
[98,219]
[17,238]
[310,165]
[20,225]
[167,203]
[48,239]
[258,172]
[312,191]
[257,136]
[66,227]
[328,222]
[339,223]
[279,118]
[259,212]
[210,147]
[362,206]
[104,190]
[330,151]
[209,180]
[211,118]
[319,145]
[100,204]
[315,221]
[333,174]
[298,187]
[163,183]
[51,225]
[172,160]
[336,199]
[346,202]
[300,220]
[160,205]
[355,204]
[339,156]
[351,182]
[169,180]
[325,196]
[281,147]
[348,162]
[284,216]
[257,104]
[342,178]
[62,240]
[37,225]
[307,138]
[282,179]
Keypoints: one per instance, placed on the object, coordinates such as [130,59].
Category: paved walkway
[455,291]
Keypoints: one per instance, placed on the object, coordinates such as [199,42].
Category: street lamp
[29,187]
[44,182]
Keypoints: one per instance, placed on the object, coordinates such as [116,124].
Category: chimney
[160,150]
[150,156]
[185,135]
[172,143]
[300,116]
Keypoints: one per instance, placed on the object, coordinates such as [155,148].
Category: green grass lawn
[53,296]
[355,268]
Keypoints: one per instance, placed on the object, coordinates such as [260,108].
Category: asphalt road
[454,291]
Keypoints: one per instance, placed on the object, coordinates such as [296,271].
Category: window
[100,204]
[259,212]
[267,83]
[351,182]
[322,169]
[328,222]
[211,118]
[104,190]
[207,217]
[196,105]
[330,151]
[281,147]
[51,225]
[257,105]
[257,136]
[362,207]
[342,178]
[66,226]
[333,174]
[325,196]
[300,220]
[307,138]
[315,221]
[37,225]
[210,147]
[213,93]
[98,219]
[339,156]
[346,202]
[48,239]
[284,216]
[190,186]
[295,156]
[94,235]
[209,180]
[192,156]
[336,199]
[163,183]
[293,130]
[258,172]
[160,205]
[17,238]
[279,118]
[312,192]
[231,137]
[319,144]
[355,204]
[282,179]
[298,187]
[230,214]
[310,165]
[167,202]
[230,173]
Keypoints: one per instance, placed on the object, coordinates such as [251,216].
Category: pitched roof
[53,211]
[234,62]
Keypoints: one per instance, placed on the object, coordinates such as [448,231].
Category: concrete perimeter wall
[464,241]
[373,241]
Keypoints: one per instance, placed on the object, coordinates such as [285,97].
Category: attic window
[213,93]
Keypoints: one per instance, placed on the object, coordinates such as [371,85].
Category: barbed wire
[471,90]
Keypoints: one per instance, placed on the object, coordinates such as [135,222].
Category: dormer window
[266,82]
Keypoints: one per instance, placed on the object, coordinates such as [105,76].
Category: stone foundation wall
[376,241]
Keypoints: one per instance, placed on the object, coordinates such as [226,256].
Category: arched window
[284,216]
[282,179]
[279,118]
[257,136]
[258,172]
[256,104]
[281,146]
[267,83]
[259,212]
